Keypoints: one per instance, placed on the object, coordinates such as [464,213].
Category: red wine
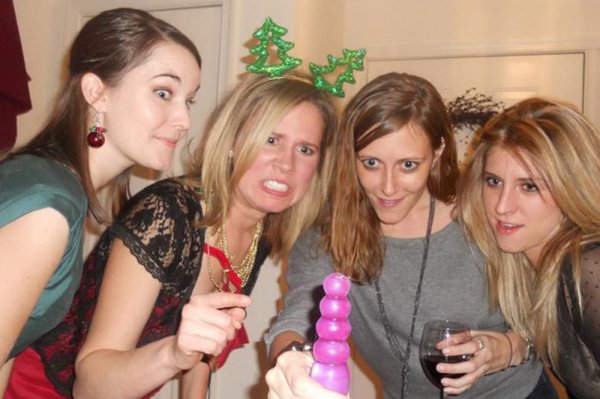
[430,361]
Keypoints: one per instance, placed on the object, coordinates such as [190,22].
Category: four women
[192,247]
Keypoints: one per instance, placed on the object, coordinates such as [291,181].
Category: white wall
[413,29]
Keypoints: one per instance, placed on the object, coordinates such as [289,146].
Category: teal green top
[29,183]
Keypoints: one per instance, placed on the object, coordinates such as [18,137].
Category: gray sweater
[453,288]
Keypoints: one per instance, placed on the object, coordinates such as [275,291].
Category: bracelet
[529,350]
[296,346]
[511,349]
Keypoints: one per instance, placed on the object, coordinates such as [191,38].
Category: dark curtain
[14,90]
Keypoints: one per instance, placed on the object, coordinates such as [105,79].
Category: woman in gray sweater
[390,228]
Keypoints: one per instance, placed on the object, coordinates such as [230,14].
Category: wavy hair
[564,148]
[352,231]
[243,121]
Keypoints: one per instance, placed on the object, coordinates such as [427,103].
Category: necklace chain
[389,333]
[244,268]
[210,273]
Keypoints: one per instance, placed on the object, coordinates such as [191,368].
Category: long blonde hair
[243,121]
[352,231]
[564,148]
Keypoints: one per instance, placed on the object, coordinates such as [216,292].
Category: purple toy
[331,351]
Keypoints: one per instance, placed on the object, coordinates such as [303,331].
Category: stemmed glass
[438,334]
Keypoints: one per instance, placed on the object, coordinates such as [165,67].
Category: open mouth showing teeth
[509,225]
[274,185]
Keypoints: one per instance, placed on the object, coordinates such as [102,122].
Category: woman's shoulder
[169,193]
[34,173]
[30,182]
[592,249]
[590,260]
[169,186]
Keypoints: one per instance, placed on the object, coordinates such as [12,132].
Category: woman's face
[285,166]
[519,205]
[148,111]
[393,171]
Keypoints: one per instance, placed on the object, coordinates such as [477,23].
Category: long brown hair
[564,148]
[109,45]
[244,120]
[352,232]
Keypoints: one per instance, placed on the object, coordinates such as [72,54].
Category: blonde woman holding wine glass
[438,335]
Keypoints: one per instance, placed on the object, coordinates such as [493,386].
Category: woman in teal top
[132,78]
[30,184]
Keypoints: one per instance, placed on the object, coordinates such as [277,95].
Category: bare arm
[281,341]
[110,365]
[194,382]
[4,376]
[31,248]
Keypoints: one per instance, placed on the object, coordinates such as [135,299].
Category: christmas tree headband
[270,32]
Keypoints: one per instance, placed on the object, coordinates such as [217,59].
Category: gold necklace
[244,268]
[210,274]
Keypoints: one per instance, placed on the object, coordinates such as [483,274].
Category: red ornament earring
[95,137]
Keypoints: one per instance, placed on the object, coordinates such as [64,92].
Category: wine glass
[438,334]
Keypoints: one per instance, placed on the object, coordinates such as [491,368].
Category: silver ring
[481,345]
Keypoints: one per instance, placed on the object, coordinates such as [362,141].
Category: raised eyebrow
[490,174]
[535,180]
[168,75]
[411,159]
[363,157]
[309,144]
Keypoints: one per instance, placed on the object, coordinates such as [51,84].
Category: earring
[95,137]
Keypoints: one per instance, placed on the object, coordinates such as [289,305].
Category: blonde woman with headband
[529,198]
[179,263]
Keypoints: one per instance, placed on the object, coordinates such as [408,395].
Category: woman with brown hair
[132,78]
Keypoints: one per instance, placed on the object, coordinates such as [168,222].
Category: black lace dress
[579,329]
[159,226]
